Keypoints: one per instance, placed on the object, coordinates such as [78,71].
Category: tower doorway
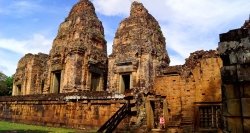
[42,86]
[95,81]
[56,82]
[19,90]
[125,82]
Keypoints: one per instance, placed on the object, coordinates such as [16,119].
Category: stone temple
[79,86]
[139,52]
[78,58]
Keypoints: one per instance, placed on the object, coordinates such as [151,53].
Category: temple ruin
[29,77]
[192,92]
[79,86]
[234,49]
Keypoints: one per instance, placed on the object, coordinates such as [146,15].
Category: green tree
[3,85]
[6,84]
[9,85]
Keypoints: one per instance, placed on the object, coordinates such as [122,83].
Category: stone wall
[74,110]
[30,74]
[234,49]
[197,81]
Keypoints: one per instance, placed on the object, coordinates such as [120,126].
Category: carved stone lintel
[56,67]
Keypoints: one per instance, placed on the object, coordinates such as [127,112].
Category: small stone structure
[78,86]
[30,74]
[234,49]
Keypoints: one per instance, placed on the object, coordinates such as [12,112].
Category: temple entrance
[19,90]
[124,82]
[95,81]
[42,86]
[156,113]
[56,82]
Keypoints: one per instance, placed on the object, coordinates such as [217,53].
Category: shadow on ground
[24,131]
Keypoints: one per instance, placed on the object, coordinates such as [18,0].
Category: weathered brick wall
[198,80]
[64,110]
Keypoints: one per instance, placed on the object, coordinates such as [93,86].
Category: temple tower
[78,58]
[139,51]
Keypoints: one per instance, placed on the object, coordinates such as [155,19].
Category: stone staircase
[133,115]
[126,112]
[113,122]
[136,118]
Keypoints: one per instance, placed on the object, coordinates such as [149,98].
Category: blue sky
[29,26]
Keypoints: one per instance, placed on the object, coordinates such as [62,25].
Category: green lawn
[8,127]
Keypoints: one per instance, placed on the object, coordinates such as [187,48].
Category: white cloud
[7,67]
[112,7]
[19,8]
[188,25]
[205,14]
[37,43]
[176,60]
[8,62]
[109,47]
[3,68]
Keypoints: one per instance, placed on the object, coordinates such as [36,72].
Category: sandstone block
[245,107]
[243,72]
[230,91]
[233,107]
[229,74]
[234,125]
[246,123]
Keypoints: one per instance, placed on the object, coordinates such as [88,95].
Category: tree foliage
[6,84]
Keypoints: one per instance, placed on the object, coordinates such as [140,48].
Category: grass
[8,127]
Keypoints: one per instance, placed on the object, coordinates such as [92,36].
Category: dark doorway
[125,82]
[153,107]
[157,112]
[95,82]
[42,86]
[19,90]
[57,81]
